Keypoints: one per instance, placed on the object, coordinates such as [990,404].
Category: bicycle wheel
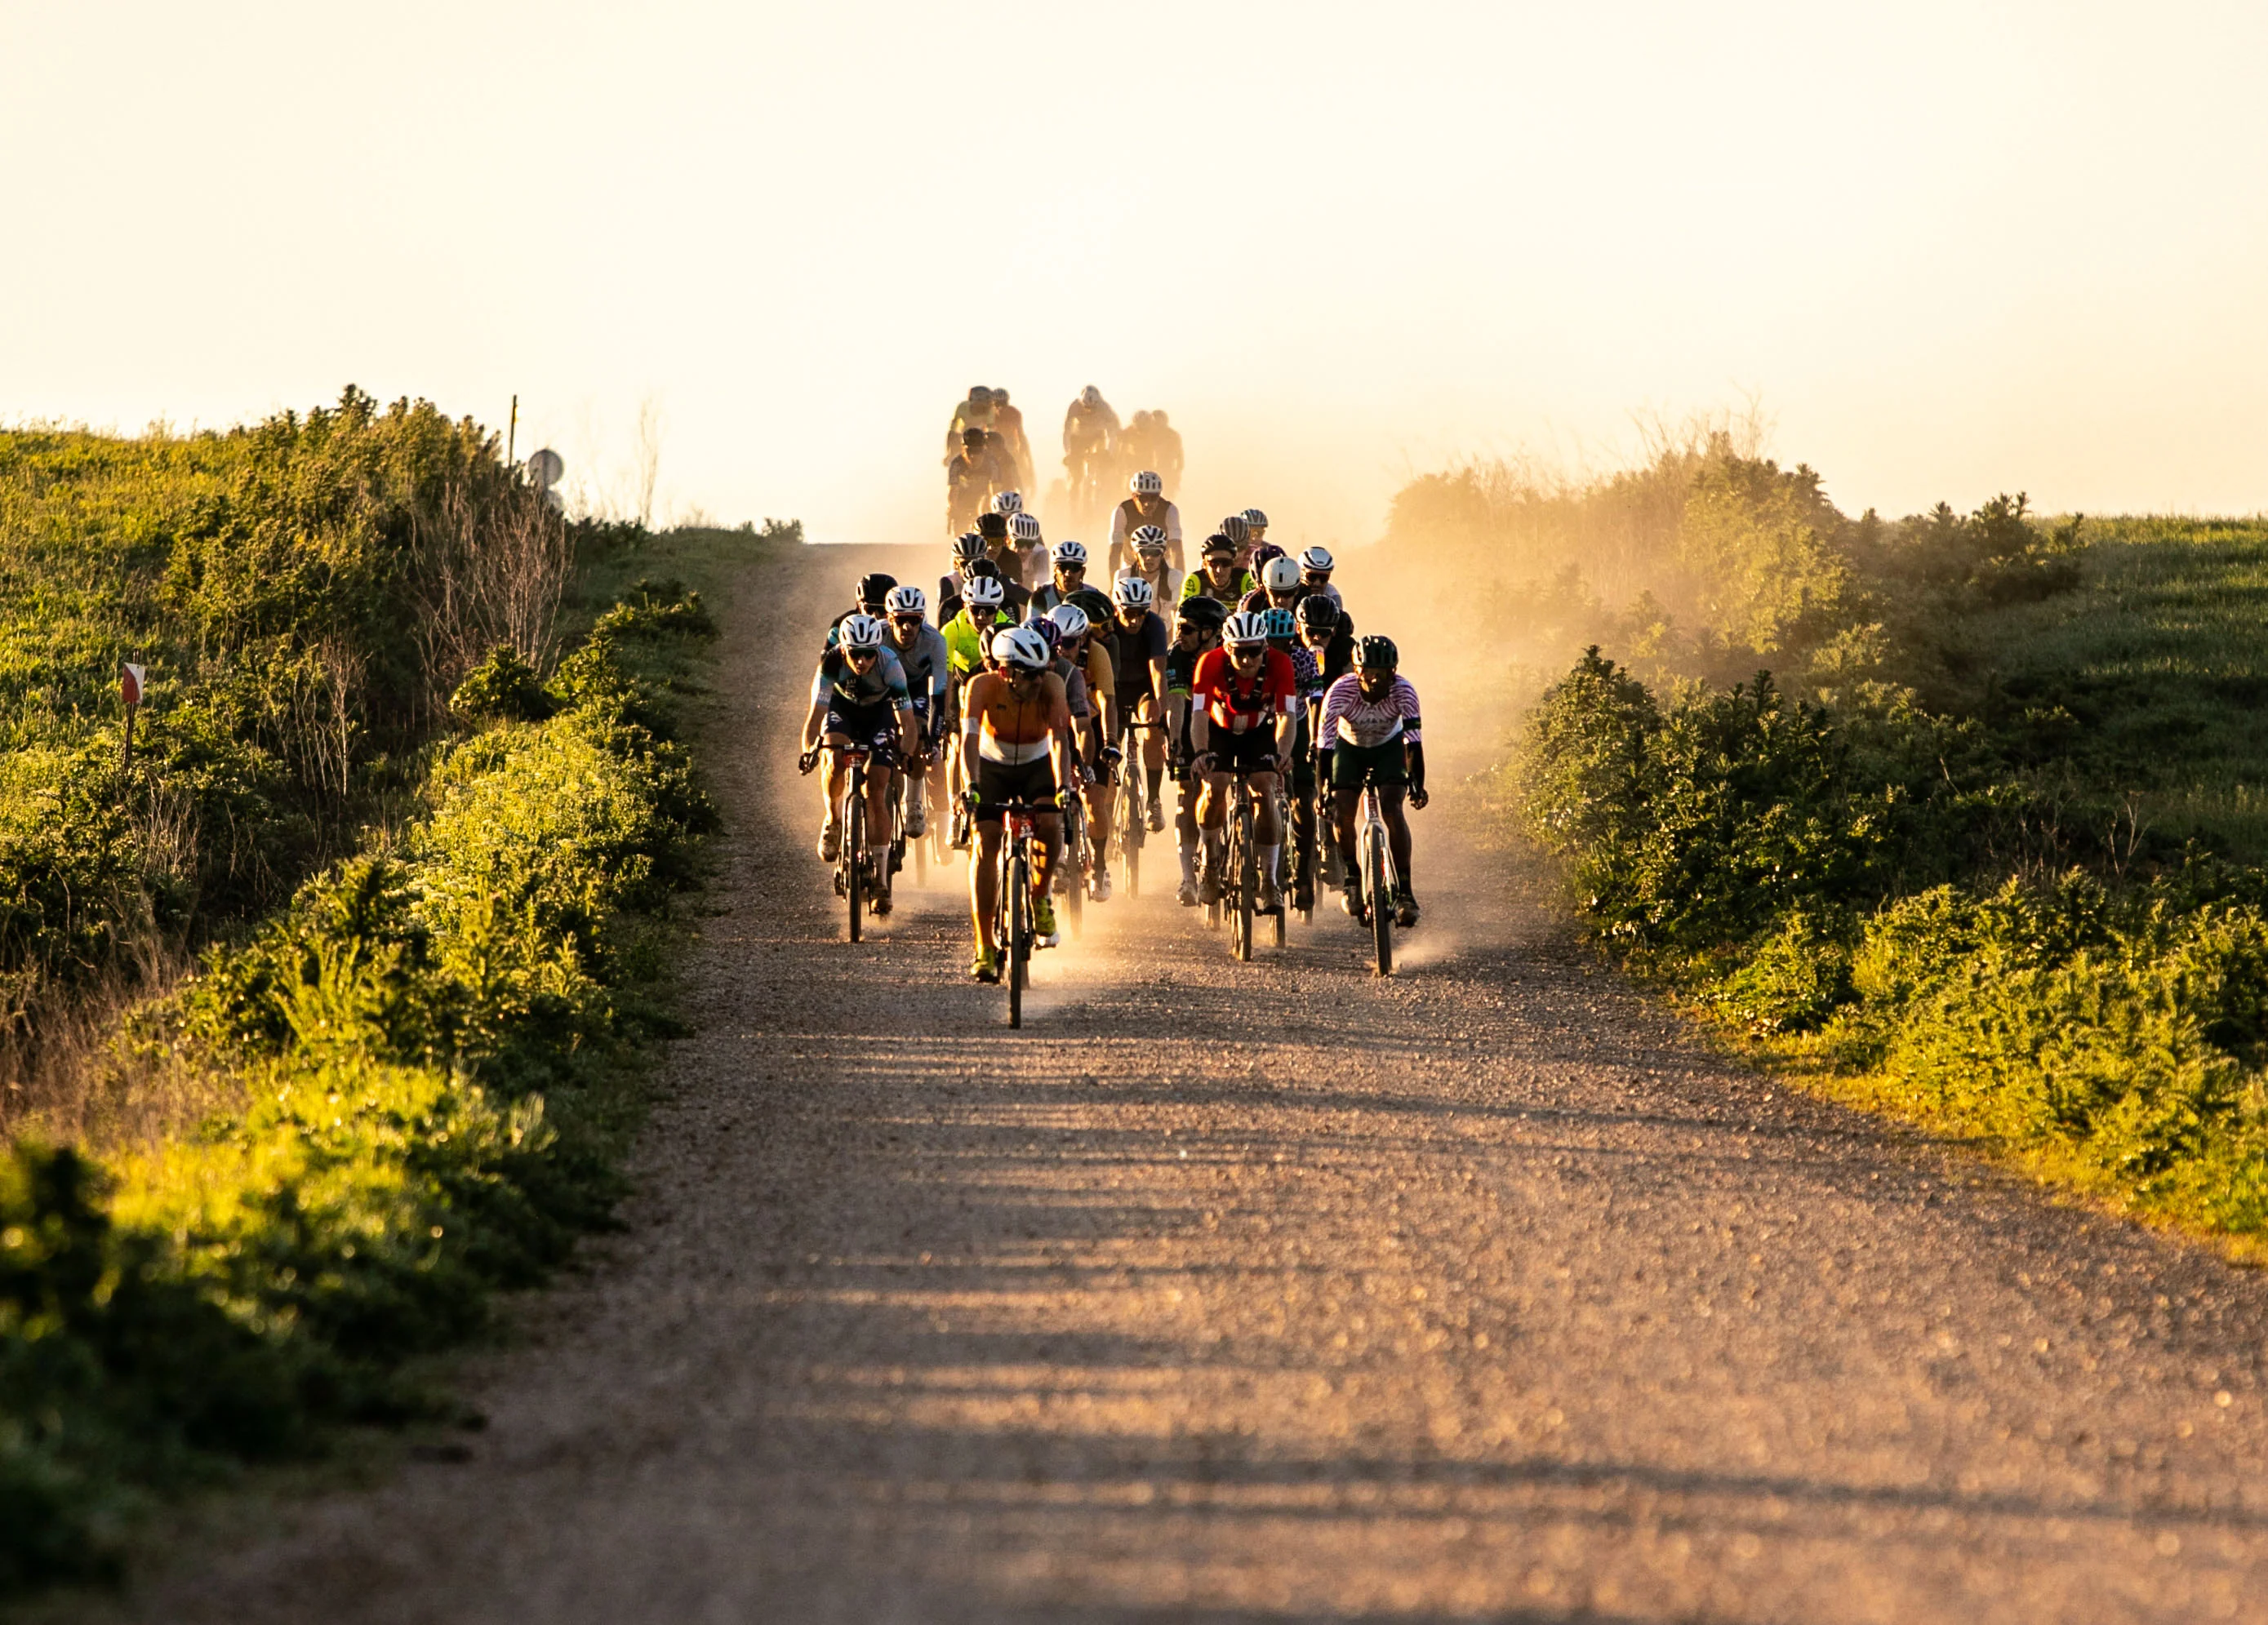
[1246,870]
[1076,859]
[921,846]
[1131,814]
[1020,933]
[1381,900]
[854,854]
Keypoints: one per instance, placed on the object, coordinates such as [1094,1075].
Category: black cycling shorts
[1000,781]
[1353,766]
[1254,751]
[873,726]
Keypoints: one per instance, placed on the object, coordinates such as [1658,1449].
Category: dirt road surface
[1244,1293]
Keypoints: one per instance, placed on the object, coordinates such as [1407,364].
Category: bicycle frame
[1012,927]
[1380,882]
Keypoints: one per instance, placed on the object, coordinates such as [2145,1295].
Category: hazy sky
[1954,248]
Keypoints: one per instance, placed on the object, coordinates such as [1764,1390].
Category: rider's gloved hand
[1066,798]
[969,798]
[1419,798]
[1112,756]
[805,763]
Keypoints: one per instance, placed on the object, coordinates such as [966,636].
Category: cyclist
[1244,699]
[968,634]
[859,700]
[1196,631]
[1137,656]
[1316,573]
[1096,753]
[1009,422]
[920,648]
[1328,638]
[1370,735]
[967,480]
[1240,537]
[1014,747]
[974,413]
[1090,429]
[1219,576]
[867,599]
[1147,505]
[1070,560]
[1308,680]
[1166,451]
[1279,587]
[1000,549]
[1031,552]
[1256,522]
[1150,563]
[968,548]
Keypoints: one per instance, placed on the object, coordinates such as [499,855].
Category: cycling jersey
[1129,516]
[965,645]
[1196,586]
[1238,705]
[1131,652]
[1307,675]
[1075,689]
[837,680]
[1165,584]
[1350,719]
[927,666]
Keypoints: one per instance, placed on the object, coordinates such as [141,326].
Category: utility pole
[512,434]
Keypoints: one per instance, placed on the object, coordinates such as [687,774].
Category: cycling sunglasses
[862,654]
[906,623]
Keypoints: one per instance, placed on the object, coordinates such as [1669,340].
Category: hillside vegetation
[350,966]
[1962,814]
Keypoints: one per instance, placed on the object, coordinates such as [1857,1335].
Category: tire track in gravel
[1264,1293]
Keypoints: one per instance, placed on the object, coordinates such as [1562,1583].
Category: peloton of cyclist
[1015,740]
[1147,505]
[1370,735]
[921,652]
[1219,575]
[859,700]
[1197,632]
[1245,698]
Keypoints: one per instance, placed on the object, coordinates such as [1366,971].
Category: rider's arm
[1118,536]
[812,724]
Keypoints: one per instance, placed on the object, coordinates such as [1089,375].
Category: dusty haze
[1956,247]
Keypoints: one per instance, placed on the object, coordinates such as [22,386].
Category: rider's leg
[832,776]
[1048,828]
[1397,830]
[985,883]
[1098,797]
[1345,798]
[880,825]
[1212,823]
[1267,833]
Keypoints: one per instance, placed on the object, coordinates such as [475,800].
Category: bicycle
[1132,818]
[852,880]
[1380,883]
[1239,898]
[1012,919]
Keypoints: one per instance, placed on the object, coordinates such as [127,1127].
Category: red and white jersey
[1239,705]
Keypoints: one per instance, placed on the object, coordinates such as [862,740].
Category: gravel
[1277,1292]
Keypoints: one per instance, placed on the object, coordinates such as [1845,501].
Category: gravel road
[1262,1292]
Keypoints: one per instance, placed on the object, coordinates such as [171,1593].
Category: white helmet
[1149,538]
[1132,591]
[1023,526]
[1147,483]
[907,600]
[859,632]
[1245,628]
[1007,502]
[1019,645]
[1070,619]
[1068,552]
[1317,559]
[985,591]
[1280,575]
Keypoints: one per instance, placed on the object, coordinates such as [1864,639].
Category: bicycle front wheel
[854,854]
[1382,902]
[1247,881]
[1020,933]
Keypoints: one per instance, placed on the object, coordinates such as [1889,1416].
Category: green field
[327,1010]
[1962,816]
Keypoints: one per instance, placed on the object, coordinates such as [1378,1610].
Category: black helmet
[1096,602]
[1317,613]
[1237,529]
[1375,653]
[992,527]
[982,567]
[875,589]
[968,545]
[1208,613]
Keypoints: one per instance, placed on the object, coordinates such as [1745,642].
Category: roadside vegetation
[1963,815]
[323,1012]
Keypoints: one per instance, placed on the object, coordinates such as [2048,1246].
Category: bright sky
[1954,246]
